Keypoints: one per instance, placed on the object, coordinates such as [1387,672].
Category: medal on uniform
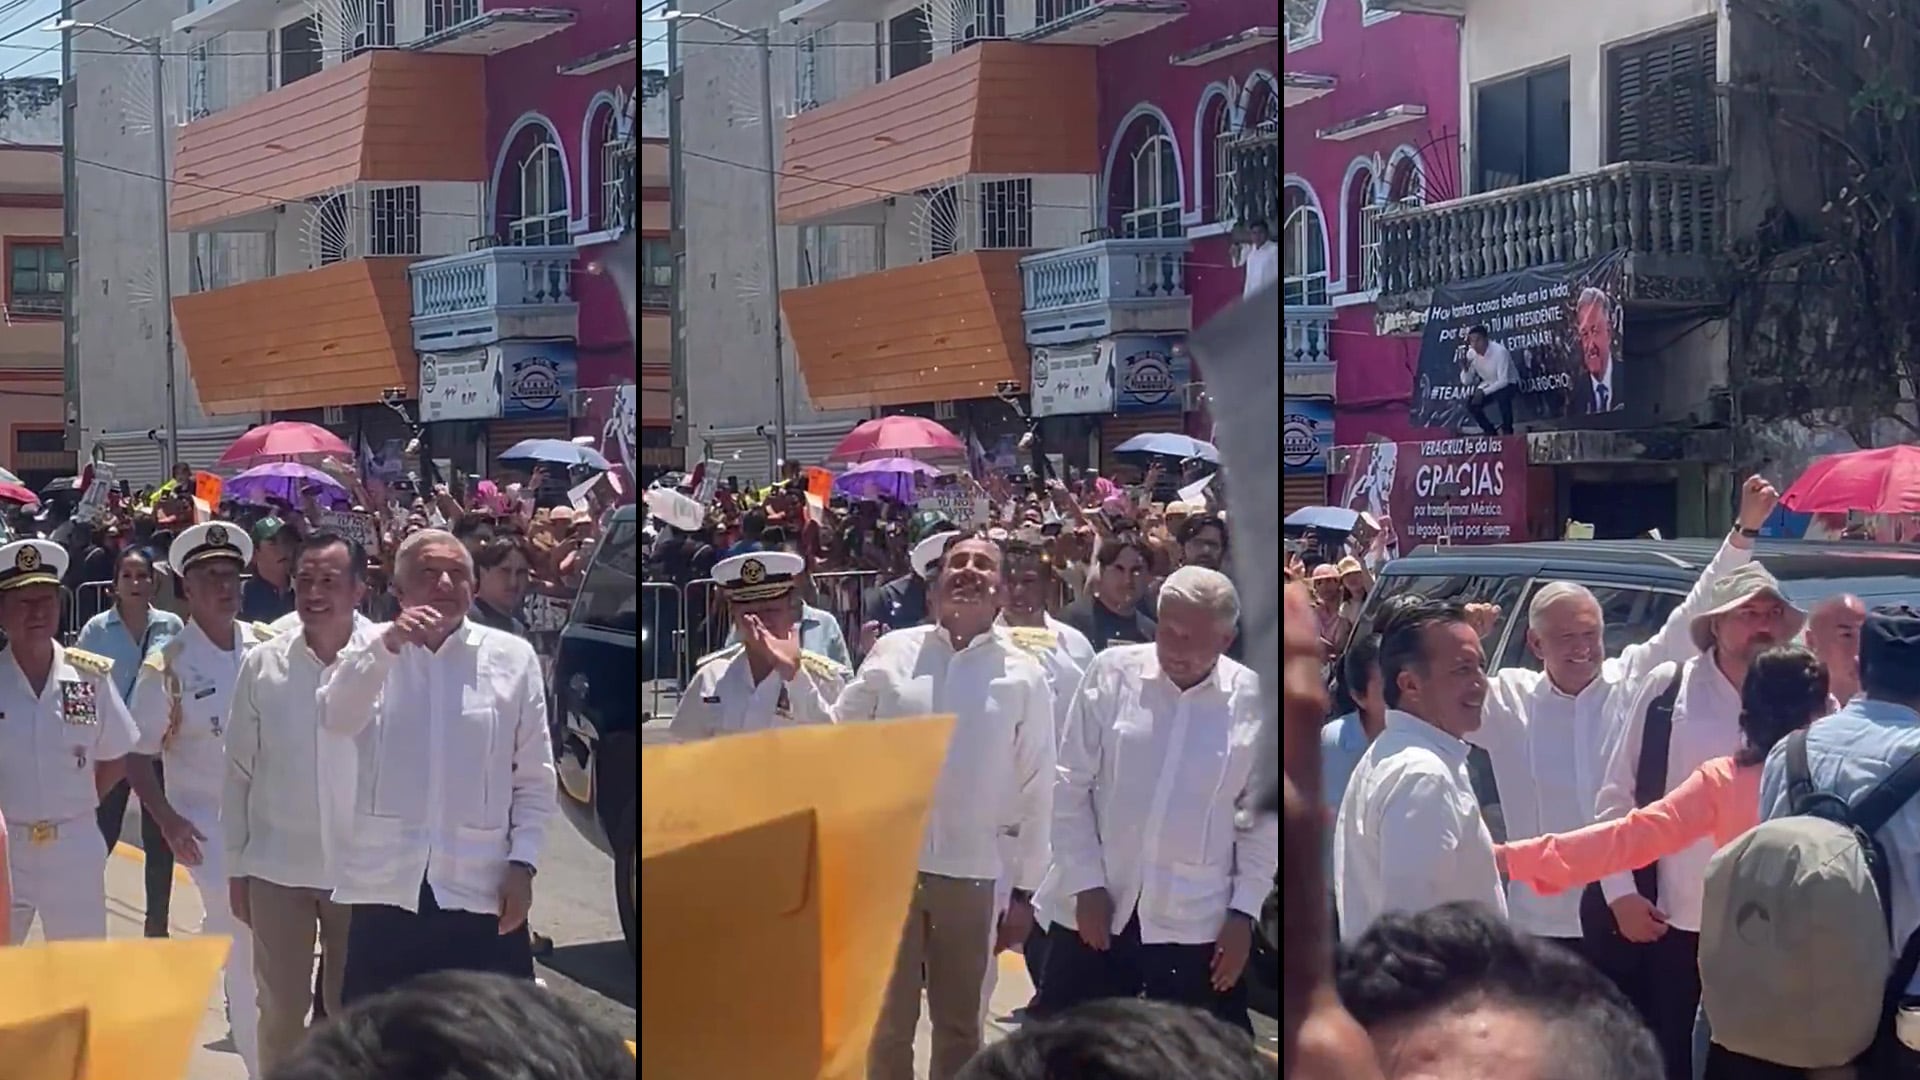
[215,722]
[77,705]
[79,757]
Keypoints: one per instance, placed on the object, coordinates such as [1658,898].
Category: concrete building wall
[118,317]
[728,345]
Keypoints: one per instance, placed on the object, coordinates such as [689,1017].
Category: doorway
[1624,509]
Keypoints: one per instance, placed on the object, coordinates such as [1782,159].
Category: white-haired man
[1550,734]
[453,785]
[1593,389]
[1157,876]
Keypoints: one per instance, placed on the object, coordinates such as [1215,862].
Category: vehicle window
[608,598]
[1633,614]
[1466,588]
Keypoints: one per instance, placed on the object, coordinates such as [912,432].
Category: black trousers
[386,946]
[1075,973]
[1662,980]
[1035,954]
[158,856]
[1501,399]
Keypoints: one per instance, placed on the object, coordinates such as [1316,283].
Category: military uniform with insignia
[51,737]
[180,702]
[722,697]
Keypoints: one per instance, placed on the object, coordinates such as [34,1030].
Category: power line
[43,50]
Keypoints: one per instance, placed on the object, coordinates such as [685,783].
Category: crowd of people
[343,745]
[1095,810]
[1710,864]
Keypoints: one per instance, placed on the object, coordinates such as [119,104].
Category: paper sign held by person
[141,1001]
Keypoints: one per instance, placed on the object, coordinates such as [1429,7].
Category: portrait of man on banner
[1559,328]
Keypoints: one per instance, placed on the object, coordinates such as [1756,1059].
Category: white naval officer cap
[209,540]
[926,554]
[32,562]
[759,575]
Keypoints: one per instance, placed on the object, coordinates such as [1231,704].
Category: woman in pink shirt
[1785,689]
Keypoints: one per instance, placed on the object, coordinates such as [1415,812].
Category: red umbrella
[1883,481]
[897,436]
[278,441]
[18,493]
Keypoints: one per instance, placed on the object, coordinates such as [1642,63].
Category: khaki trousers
[949,938]
[285,921]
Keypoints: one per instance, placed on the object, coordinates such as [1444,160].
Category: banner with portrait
[1561,324]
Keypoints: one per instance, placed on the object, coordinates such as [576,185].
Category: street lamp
[156,47]
[764,44]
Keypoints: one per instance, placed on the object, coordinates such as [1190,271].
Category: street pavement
[573,904]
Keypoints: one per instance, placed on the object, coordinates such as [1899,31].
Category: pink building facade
[1373,122]
[557,114]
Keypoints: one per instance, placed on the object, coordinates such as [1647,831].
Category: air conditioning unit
[944,411]
[333,414]
[1193,397]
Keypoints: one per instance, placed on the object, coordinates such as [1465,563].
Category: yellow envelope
[140,1000]
[854,799]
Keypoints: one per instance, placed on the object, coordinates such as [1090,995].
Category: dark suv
[596,741]
[1638,583]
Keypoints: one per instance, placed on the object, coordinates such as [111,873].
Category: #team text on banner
[1562,325]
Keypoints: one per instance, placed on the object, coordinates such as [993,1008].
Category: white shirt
[1065,661]
[1410,836]
[1706,725]
[50,741]
[995,793]
[1491,370]
[455,767]
[199,676]
[1262,265]
[291,621]
[1152,784]
[274,821]
[1550,750]
[723,699]
[1593,387]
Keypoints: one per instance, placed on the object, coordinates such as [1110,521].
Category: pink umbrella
[897,436]
[280,441]
[18,493]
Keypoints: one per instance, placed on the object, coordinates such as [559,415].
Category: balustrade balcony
[1306,368]
[1669,219]
[1106,287]
[493,294]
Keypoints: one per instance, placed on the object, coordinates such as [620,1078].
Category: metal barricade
[661,662]
[704,622]
[842,594]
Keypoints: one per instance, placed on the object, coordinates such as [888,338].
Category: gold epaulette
[92,663]
[1034,639]
[263,631]
[823,667]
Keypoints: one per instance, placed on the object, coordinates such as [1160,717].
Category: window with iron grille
[446,14]
[299,51]
[656,274]
[617,188]
[377,31]
[1006,213]
[36,279]
[980,20]
[393,220]
[199,83]
[1663,104]
[812,72]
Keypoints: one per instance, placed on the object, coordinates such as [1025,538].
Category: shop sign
[1150,373]
[1306,434]
[459,385]
[540,377]
[1469,490]
[1073,380]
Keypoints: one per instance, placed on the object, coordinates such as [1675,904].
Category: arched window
[611,163]
[535,202]
[1405,184]
[1357,229]
[1303,251]
[1144,190]
[1216,183]
[1261,114]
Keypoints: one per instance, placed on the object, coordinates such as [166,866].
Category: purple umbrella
[285,480]
[892,477]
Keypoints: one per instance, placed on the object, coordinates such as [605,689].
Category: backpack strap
[1650,771]
[1875,808]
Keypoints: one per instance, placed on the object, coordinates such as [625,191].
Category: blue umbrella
[1330,518]
[556,452]
[1168,444]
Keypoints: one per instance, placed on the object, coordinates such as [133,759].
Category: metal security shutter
[1663,101]
[503,434]
[201,447]
[811,444]
[136,459]
[1302,489]
[747,453]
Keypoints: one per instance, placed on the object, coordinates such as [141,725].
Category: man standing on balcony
[1487,367]
[1260,260]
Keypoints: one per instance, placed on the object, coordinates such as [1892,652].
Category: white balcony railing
[477,297]
[1105,287]
[1644,208]
[1309,335]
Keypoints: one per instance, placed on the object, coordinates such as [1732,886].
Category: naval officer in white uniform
[180,705]
[64,735]
[767,680]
